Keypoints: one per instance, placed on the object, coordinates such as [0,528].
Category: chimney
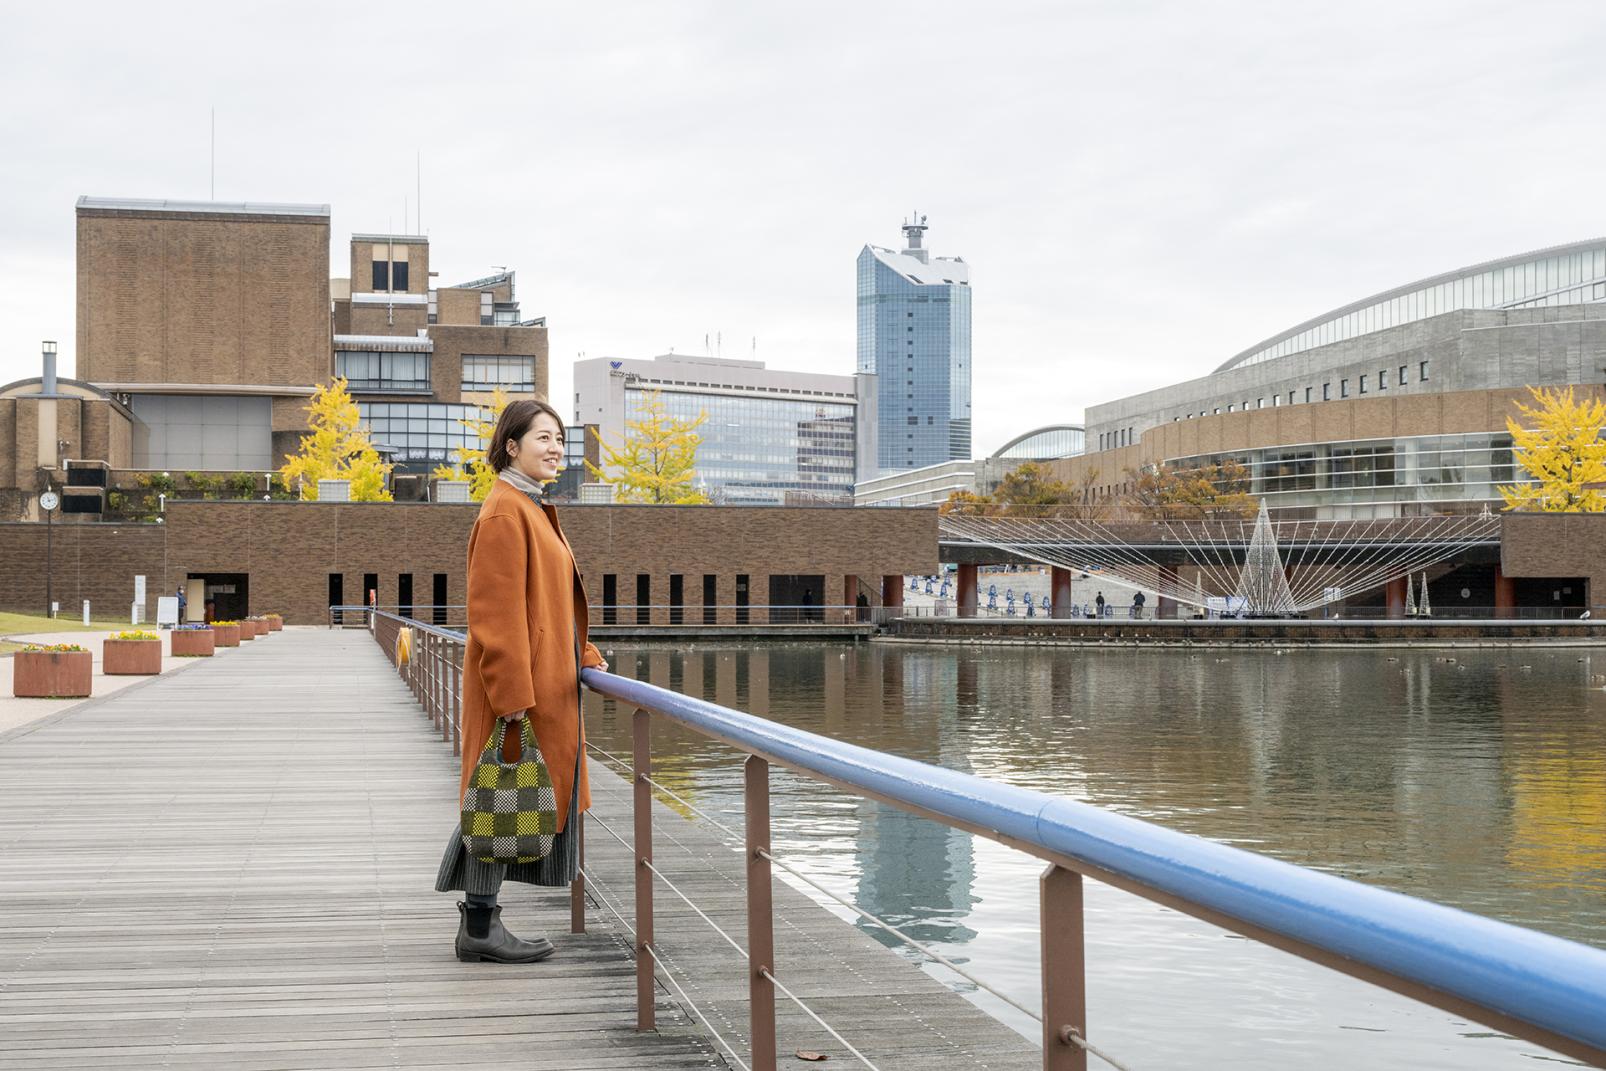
[48,384]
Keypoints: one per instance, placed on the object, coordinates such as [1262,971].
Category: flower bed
[131,654]
[193,641]
[59,671]
[226,633]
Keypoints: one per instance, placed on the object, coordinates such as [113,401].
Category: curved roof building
[1561,275]
[1048,443]
[1391,405]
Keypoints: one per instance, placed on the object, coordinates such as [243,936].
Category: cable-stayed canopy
[1276,567]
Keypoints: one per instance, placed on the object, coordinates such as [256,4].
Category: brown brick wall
[459,307]
[452,342]
[97,562]
[174,298]
[1556,545]
[388,319]
[362,265]
[288,550]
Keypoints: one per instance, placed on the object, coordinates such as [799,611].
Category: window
[1260,403]
[1307,395]
[1327,392]
[438,599]
[1229,407]
[1290,397]
[1363,383]
[370,370]
[677,598]
[487,309]
[404,594]
[490,371]
[398,275]
[1343,388]
[1423,376]
[1405,372]
[337,585]
[741,599]
[1382,379]
[610,598]
[381,275]
[643,598]
[1276,400]
[710,599]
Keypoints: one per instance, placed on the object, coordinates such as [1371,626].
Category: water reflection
[1477,780]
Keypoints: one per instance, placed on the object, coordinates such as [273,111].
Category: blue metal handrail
[1544,988]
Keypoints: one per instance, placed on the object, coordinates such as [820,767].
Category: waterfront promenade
[232,867]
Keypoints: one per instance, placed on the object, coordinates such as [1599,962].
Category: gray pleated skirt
[461,872]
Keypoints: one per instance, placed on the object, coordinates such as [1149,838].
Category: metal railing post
[760,916]
[1064,977]
[642,732]
[577,887]
[457,705]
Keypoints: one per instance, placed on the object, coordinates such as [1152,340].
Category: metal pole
[49,560]
[577,887]
[642,732]
[1064,980]
[760,916]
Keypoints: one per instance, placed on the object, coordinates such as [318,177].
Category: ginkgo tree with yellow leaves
[470,463]
[1558,444]
[336,447]
[657,462]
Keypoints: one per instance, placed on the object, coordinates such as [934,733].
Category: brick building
[204,327]
[298,558]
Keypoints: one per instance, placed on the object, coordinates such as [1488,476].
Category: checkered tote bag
[510,811]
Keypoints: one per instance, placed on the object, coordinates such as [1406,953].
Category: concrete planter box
[226,635]
[247,629]
[53,674]
[261,625]
[192,642]
[275,623]
[131,657]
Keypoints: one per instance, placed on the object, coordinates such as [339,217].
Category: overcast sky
[1141,189]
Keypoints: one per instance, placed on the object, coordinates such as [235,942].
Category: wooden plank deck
[233,867]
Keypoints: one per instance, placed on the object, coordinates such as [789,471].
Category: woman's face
[539,454]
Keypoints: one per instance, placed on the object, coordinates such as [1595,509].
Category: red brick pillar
[966,583]
[892,594]
[1505,594]
[1394,596]
[1165,606]
[1059,584]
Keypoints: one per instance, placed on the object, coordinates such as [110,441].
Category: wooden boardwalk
[232,868]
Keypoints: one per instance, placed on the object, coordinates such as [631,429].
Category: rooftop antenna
[418,172]
[214,152]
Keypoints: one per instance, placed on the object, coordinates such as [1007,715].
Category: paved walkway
[15,712]
[231,867]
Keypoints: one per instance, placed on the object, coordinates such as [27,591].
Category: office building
[769,436]
[914,336]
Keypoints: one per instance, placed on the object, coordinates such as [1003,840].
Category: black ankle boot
[482,938]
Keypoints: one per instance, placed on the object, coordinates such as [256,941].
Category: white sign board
[86,611]
[167,611]
[139,588]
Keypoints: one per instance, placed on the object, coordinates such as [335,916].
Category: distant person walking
[1099,602]
[1137,605]
[182,602]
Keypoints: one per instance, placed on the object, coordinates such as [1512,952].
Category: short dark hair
[511,426]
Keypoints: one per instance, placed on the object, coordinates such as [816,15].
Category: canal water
[1473,778]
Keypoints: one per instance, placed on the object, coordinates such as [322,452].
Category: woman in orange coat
[527,642]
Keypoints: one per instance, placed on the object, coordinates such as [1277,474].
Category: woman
[526,644]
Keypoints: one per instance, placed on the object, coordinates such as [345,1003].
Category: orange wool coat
[526,625]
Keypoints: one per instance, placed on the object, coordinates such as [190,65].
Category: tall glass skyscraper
[914,335]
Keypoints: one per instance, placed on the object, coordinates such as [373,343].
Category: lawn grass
[27,624]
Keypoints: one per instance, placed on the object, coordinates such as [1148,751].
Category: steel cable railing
[1531,985]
